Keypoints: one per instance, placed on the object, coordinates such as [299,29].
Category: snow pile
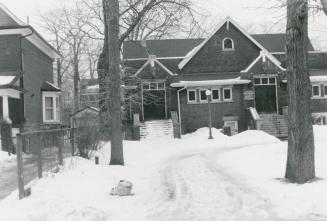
[5,158]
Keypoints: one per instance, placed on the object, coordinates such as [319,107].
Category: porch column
[5,108]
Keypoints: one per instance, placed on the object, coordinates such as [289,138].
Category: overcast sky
[254,15]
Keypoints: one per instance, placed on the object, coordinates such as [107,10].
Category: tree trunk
[76,84]
[103,78]
[300,157]
[112,19]
[324,6]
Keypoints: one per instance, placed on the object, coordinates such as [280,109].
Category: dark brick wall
[211,58]
[9,53]
[37,69]
[195,116]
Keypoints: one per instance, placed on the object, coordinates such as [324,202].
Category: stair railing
[255,120]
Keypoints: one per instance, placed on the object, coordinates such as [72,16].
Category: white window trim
[231,93]
[188,100]
[54,95]
[325,94]
[223,45]
[316,96]
[203,101]
[219,94]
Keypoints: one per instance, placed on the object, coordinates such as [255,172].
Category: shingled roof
[180,47]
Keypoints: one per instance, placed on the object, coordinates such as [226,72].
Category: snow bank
[5,158]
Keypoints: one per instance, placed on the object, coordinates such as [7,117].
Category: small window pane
[215,94]
[48,102]
[256,80]
[272,80]
[264,80]
[228,44]
[325,90]
[49,114]
[145,86]
[153,86]
[161,85]
[315,90]
[191,96]
[203,95]
[227,94]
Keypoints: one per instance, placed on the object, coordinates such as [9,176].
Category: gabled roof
[47,86]
[152,61]
[169,48]
[275,42]
[227,20]
[16,26]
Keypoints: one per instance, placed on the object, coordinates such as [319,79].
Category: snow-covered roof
[5,80]
[314,79]
[210,83]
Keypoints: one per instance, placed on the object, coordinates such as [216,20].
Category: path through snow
[197,188]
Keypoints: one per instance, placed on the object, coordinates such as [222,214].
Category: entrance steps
[157,129]
[275,125]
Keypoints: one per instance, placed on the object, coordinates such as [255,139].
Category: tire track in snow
[198,189]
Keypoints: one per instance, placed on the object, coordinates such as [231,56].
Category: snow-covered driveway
[197,188]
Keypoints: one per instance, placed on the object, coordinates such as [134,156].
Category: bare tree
[300,157]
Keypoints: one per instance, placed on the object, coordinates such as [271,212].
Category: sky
[257,16]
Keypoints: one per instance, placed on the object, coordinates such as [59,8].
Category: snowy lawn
[5,158]
[228,178]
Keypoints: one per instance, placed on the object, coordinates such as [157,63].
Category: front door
[265,95]
[154,100]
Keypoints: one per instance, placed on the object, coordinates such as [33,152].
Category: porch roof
[233,81]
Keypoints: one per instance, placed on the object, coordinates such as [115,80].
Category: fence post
[61,146]
[20,166]
[39,157]
[72,140]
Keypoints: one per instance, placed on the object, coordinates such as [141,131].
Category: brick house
[245,74]
[28,97]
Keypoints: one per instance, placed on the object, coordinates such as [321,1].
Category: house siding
[38,67]
[195,116]
[10,54]
[212,58]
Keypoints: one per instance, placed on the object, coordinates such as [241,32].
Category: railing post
[39,157]
[20,166]
[60,146]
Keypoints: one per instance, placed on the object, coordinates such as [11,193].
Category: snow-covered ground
[228,178]
[5,158]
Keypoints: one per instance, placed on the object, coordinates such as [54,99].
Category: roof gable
[7,18]
[227,21]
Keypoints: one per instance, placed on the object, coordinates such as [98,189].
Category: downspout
[179,109]
[22,71]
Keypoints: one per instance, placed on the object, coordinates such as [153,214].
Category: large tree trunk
[300,156]
[103,78]
[112,19]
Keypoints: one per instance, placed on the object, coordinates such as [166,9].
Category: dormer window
[228,44]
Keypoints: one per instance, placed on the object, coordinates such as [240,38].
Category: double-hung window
[51,107]
[215,95]
[316,91]
[191,96]
[203,96]
[227,94]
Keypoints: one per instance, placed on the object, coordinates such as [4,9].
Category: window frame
[319,91]
[223,44]
[200,99]
[219,95]
[231,93]
[54,96]
[188,96]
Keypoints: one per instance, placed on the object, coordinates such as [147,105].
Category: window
[191,96]
[227,94]
[153,86]
[264,80]
[215,95]
[51,107]
[316,91]
[228,44]
[325,90]
[257,81]
[203,96]
[146,86]
[272,80]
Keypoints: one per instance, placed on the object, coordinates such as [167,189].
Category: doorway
[265,94]
[154,101]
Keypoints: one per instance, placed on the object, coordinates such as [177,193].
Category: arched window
[228,44]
